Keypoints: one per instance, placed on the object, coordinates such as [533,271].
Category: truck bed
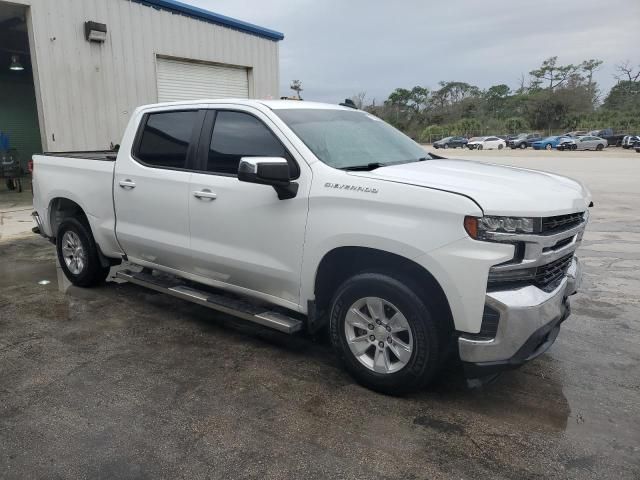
[85,178]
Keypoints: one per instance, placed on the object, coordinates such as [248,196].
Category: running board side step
[221,303]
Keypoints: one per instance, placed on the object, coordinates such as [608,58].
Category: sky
[338,48]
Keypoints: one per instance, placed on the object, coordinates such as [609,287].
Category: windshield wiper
[364,168]
[372,166]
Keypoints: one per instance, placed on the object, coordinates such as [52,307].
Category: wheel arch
[339,264]
[63,207]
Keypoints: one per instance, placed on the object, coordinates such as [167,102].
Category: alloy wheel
[379,335]
[75,257]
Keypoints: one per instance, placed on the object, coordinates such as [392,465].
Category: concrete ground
[121,382]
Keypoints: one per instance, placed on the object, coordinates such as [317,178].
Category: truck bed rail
[102,155]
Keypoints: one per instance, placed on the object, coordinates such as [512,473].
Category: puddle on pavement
[14,273]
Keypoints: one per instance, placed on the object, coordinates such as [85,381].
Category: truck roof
[272,104]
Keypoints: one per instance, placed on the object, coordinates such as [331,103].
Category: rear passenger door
[242,236]
[151,188]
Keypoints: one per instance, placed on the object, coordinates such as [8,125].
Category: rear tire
[9,183]
[548,146]
[360,337]
[446,145]
[523,145]
[78,254]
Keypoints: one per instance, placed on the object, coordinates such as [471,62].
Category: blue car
[549,143]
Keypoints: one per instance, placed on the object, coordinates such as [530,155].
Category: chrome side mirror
[272,171]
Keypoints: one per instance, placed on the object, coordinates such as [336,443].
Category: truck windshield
[347,139]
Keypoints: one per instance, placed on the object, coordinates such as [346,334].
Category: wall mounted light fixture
[15,64]
[95,32]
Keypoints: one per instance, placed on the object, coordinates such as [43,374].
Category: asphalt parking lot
[121,382]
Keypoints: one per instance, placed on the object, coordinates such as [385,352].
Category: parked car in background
[451,142]
[613,138]
[629,140]
[590,142]
[524,140]
[489,143]
[567,144]
[549,142]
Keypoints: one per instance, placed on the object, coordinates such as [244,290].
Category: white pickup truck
[299,215]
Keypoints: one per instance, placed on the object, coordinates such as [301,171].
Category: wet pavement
[122,382]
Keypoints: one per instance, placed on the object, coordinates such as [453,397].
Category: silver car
[589,142]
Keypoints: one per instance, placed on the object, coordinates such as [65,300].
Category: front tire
[600,147]
[78,254]
[479,147]
[384,334]
[500,146]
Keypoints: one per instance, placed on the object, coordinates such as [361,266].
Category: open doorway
[19,129]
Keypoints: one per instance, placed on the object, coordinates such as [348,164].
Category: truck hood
[497,189]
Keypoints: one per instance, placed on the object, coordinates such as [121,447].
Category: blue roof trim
[206,15]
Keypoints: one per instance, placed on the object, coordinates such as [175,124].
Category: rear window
[165,139]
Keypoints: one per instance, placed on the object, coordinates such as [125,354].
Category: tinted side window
[237,135]
[165,139]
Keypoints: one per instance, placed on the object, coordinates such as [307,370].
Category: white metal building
[84,82]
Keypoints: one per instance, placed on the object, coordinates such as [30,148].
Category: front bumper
[528,325]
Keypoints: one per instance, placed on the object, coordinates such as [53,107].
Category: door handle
[205,193]
[128,183]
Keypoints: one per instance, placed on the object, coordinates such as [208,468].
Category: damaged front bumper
[529,322]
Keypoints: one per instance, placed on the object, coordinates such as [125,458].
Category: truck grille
[541,259]
[548,276]
[561,222]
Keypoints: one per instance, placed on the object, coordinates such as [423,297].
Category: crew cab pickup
[307,216]
[612,137]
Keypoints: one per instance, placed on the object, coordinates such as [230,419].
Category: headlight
[478,227]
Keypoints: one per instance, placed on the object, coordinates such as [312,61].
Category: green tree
[496,99]
[623,97]
[552,73]
[588,68]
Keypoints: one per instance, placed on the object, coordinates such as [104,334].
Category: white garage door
[178,80]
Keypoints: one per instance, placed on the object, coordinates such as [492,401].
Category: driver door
[243,237]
